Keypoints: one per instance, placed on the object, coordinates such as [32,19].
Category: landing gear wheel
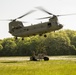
[23,38]
[45,35]
[46,58]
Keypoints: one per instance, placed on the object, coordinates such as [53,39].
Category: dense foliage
[56,43]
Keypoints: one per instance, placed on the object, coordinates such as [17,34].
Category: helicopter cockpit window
[49,25]
[17,26]
[20,25]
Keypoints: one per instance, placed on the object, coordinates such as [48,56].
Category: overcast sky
[10,9]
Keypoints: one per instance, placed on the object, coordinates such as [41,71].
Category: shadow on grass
[13,61]
[9,62]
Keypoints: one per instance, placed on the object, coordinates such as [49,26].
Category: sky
[11,9]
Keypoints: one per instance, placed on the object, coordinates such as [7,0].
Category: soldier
[33,57]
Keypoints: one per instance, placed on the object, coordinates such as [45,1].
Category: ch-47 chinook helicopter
[17,29]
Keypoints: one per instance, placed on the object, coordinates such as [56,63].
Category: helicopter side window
[49,25]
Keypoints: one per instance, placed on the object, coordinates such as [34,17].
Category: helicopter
[17,29]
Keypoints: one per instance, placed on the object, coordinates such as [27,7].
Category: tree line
[61,42]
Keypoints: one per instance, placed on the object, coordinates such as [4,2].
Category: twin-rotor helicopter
[17,29]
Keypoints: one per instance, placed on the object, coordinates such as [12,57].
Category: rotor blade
[25,14]
[6,19]
[66,14]
[42,9]
[12,20]
[43,18]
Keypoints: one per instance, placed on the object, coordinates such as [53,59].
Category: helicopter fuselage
[18,30]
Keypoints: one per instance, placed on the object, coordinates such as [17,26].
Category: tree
[58,43]
[8,47]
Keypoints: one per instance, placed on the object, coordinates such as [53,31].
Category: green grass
[52,67]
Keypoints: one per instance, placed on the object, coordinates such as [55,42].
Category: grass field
[26,67]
